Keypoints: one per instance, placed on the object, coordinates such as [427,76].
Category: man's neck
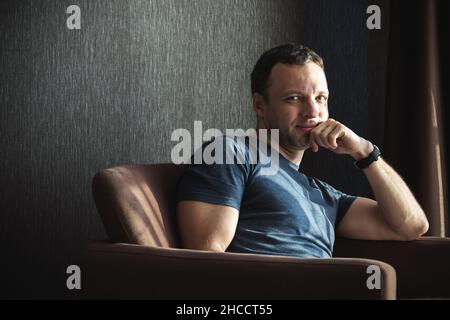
[293,156]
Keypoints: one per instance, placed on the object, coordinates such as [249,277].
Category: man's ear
[259,105]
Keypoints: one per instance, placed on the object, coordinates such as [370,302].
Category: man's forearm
[396,202]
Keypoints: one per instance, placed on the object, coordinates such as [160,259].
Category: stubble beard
[289,138]
[294,141]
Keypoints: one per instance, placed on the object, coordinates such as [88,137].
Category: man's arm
[395,215]
[205,226]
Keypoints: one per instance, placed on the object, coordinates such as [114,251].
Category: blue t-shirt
[286,213]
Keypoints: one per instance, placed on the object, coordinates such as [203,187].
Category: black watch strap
[373,156]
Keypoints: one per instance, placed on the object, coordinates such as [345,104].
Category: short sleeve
[342,200]
[216,183]
[345,201]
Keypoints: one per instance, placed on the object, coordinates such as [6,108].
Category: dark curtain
[417,102]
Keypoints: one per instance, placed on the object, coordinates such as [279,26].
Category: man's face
[297,102]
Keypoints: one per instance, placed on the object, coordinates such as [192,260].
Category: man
[233,207]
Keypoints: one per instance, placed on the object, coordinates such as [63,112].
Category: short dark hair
[291,53]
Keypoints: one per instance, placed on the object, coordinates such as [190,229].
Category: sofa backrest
[137,203]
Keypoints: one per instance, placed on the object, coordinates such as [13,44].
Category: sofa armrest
[422,265]
[143,272]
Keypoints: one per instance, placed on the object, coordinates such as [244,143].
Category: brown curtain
[417,103]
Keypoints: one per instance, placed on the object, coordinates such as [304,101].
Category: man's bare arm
[205,226]
[395,215]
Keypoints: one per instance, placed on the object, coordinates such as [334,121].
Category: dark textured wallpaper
[77,101]
[356,66]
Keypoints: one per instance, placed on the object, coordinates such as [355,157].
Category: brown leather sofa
[143,260]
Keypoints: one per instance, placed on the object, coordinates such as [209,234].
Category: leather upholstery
[136,203]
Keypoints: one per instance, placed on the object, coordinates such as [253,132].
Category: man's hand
[336,137]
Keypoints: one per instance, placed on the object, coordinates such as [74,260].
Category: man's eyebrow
[302,93]
[294,91]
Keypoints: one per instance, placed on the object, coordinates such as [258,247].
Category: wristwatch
[373,156]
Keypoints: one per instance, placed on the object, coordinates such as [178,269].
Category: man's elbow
[416,231]
[214,247]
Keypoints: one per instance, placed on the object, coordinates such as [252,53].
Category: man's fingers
[320,133]
[313,144]
[334,135]
[315,135]
[325,135]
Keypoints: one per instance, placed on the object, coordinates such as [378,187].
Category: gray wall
[76,101]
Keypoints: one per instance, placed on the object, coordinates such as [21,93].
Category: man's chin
[296,142]
[301,145]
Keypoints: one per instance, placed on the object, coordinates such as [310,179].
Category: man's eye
[294,98]
[322,98]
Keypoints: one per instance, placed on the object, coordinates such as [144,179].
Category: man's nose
[310,108]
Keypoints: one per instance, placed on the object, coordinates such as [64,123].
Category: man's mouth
[306,128]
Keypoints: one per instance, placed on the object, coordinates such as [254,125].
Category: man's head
[290,93]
